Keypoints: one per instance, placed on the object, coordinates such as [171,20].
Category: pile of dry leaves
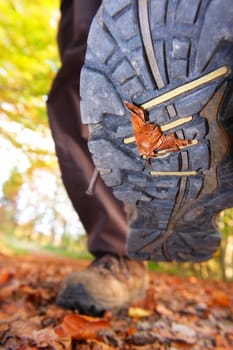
[178,313]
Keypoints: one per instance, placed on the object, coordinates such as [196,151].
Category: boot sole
[174,60]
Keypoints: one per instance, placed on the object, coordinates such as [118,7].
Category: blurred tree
[225,223]
[28,62]
[28,59]
[12,186]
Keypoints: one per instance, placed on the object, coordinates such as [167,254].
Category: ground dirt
[177,313]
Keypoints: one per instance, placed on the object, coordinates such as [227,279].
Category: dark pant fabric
[102,215]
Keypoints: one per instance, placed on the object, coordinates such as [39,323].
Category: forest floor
[177,313]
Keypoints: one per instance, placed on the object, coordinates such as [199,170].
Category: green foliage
[74,251]
[225,223]
[12,186]
[28,59]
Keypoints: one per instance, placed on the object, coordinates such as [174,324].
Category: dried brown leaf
[24,328]
[5,276]
[219,298]
[8,290]
[49,337]
[99,345]
[149,137]
[163,310]
[82,327]
[149,302]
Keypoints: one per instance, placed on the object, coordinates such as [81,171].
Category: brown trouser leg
[102,215]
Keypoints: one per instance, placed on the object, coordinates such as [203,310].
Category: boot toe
[75,297]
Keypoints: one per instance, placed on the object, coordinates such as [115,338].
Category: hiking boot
[157,94]
[109,283]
